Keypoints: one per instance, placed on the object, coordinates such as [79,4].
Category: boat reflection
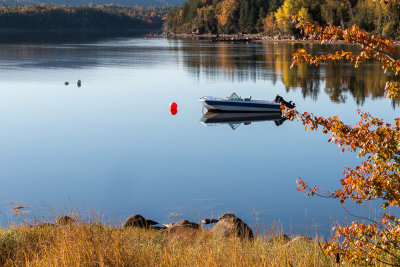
[234,119]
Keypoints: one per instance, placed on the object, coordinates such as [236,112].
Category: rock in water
[231,225]
[138,220]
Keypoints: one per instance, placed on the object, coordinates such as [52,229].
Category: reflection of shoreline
[58,36]
[234,119]
[272,60]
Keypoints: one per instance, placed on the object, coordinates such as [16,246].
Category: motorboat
[234,103]
[235,119]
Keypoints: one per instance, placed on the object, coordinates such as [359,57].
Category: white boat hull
[241,109]
[213,104]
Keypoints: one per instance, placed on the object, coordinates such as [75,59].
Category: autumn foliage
[375,141]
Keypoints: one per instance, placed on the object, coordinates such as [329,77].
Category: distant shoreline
[65,30]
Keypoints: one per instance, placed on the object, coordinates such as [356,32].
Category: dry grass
[96,244]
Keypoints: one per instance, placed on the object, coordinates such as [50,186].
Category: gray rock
[209,221]
[227,216]
[183,224]
[231,225]
[138,220]
[281,238]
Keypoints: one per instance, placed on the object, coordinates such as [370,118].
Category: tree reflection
[272,60]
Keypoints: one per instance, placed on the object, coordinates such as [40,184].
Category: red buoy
[173,105]
[173,111]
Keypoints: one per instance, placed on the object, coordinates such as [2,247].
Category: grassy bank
[98,244]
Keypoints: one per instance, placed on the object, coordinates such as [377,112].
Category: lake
[112,146]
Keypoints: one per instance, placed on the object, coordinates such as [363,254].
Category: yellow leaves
[287,15]
[303,14]
[283,15]
[225,11]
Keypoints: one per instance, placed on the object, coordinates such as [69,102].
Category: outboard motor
[280,99]
[280,122]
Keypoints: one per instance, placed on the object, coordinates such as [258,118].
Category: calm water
[113,146]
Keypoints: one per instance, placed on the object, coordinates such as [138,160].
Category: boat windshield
[234,96]
[234,125]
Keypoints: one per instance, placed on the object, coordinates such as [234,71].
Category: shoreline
[257,37]
[94,243]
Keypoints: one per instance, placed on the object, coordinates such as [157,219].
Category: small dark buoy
[78,83]
[66,83]
[173,105]
[173,111]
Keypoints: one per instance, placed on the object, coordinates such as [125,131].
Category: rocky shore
[72,240]
[239,37]
[227,225]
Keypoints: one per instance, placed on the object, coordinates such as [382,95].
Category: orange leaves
[368,242]
[373,47]
[392,89]
[378,176]
[300,56]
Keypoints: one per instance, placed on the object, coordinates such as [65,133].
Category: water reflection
[271,61]
[268,61]
[105,144]
[235,119]
[62,37]
[82,53]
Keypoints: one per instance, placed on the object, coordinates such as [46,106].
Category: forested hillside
[96,2]
[275,16]
[92,17]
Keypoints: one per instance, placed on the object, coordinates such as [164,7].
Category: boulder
[231,225]
[65,220]
[227,216]
[138,220]
[280,238]
[183,224]
[209,221]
